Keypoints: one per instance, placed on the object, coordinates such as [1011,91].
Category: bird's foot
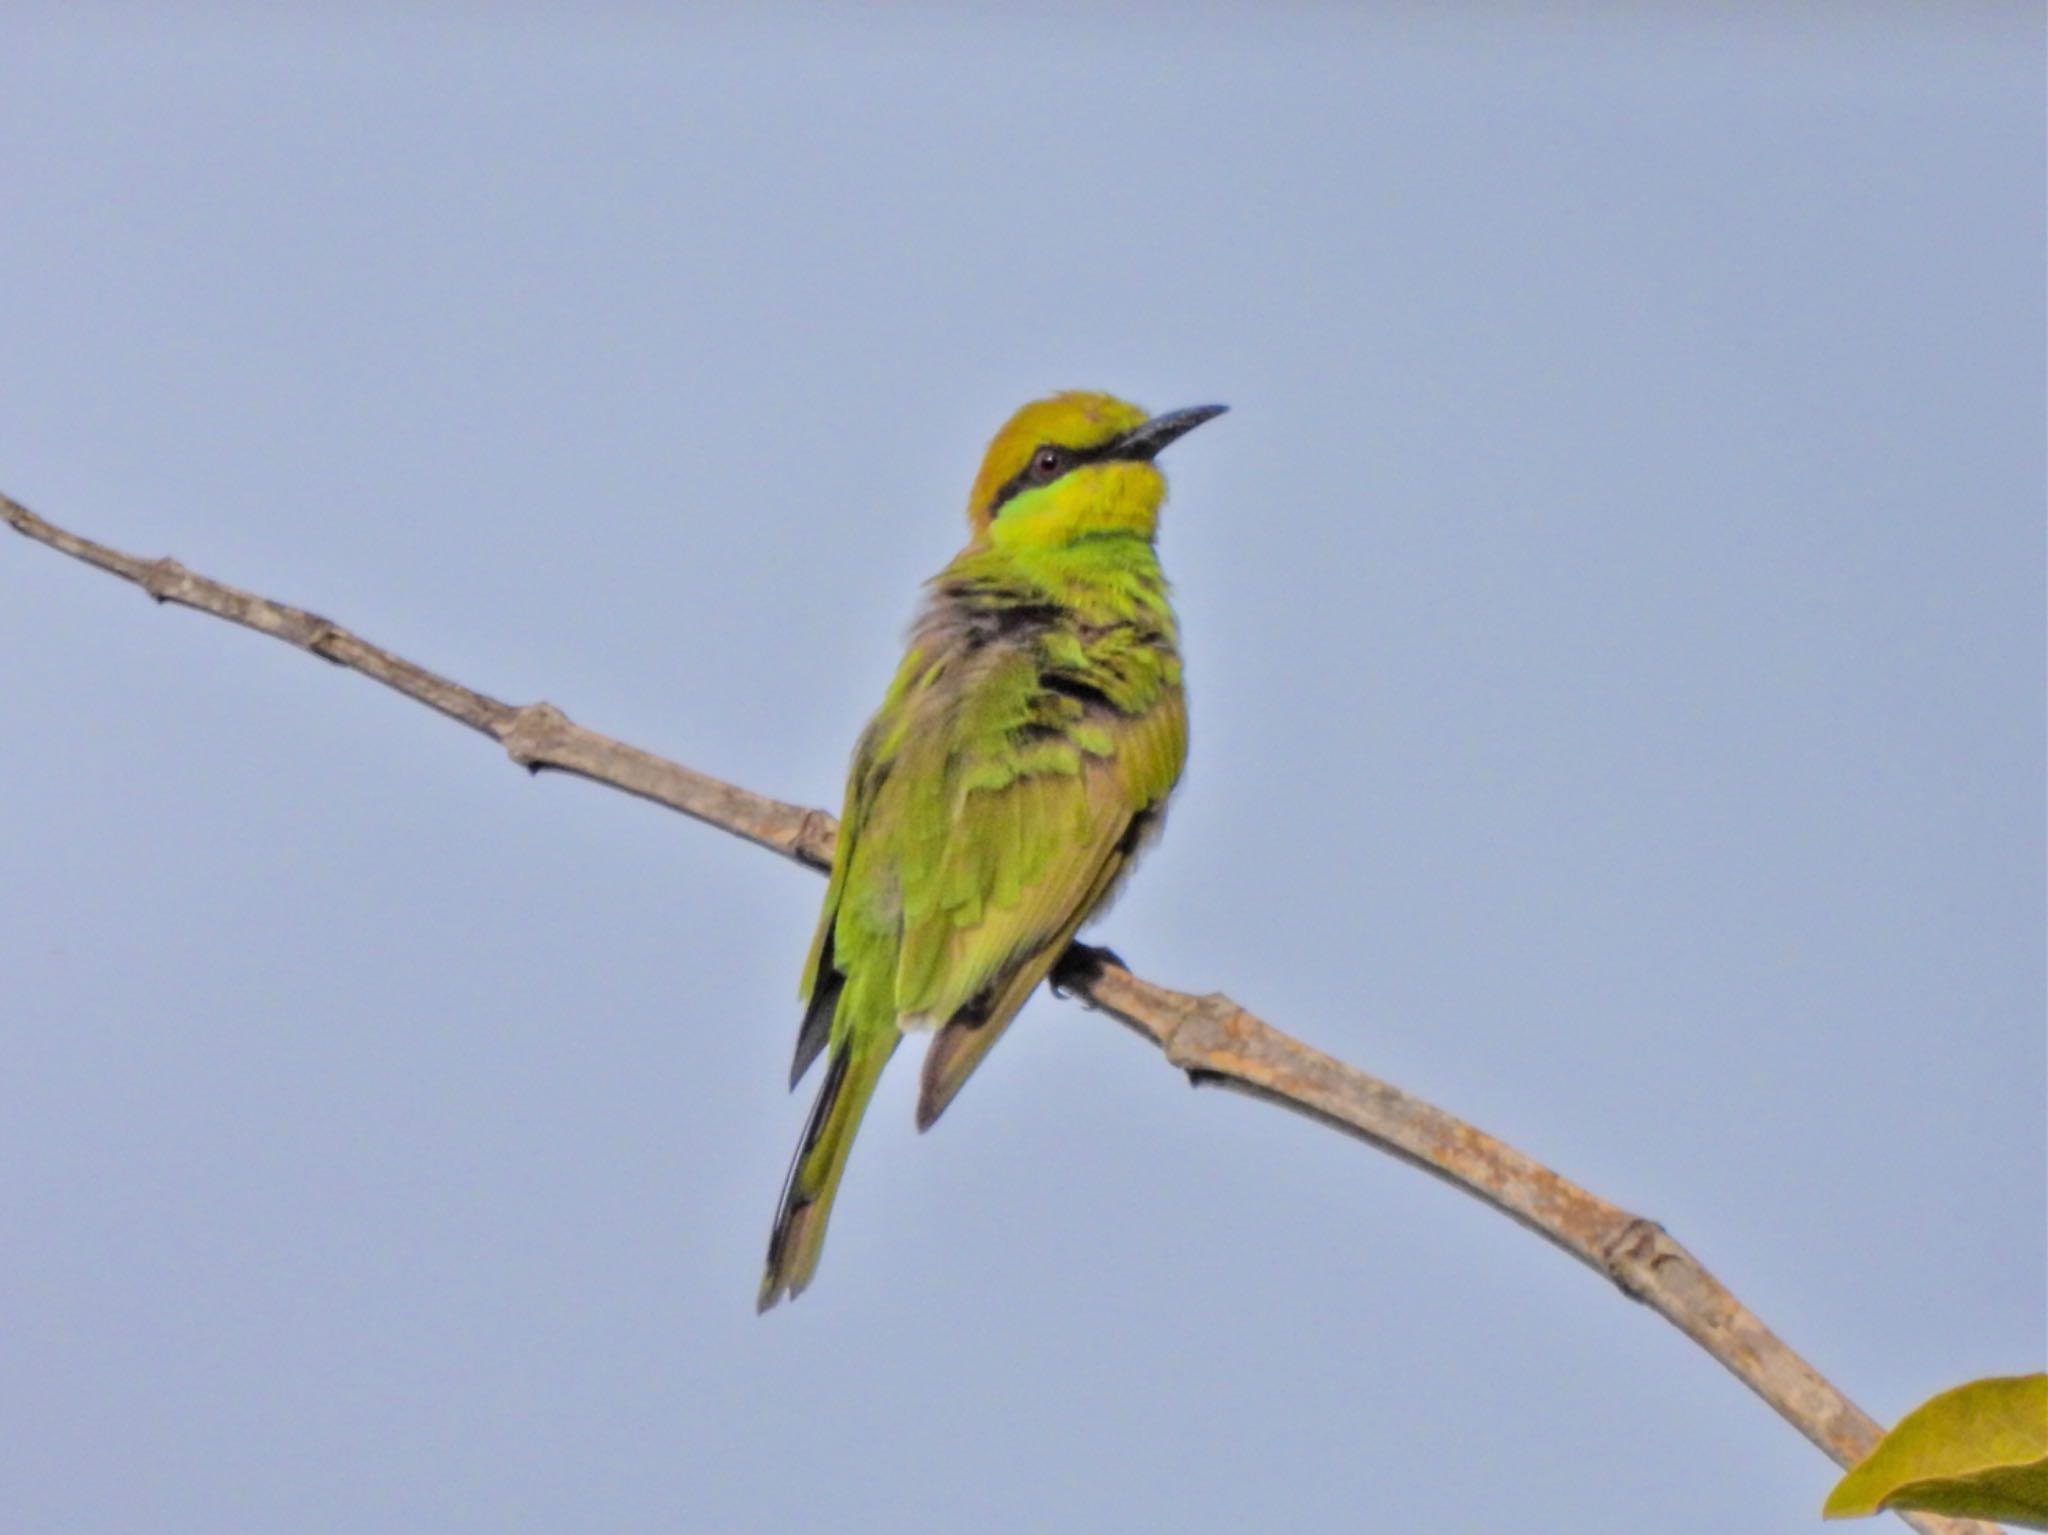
[1082,963]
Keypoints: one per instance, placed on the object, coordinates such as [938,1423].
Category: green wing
[1044,802]
[988,812]
[986,816]
[874,758]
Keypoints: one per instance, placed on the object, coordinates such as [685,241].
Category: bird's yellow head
[1072,465]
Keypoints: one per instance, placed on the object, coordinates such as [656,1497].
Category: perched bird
[1021,758]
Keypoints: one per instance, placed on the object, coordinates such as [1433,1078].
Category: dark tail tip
[776,1279]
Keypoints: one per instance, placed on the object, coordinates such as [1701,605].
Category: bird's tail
[799,1236]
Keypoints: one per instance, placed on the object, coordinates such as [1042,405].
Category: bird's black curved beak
[1144,442]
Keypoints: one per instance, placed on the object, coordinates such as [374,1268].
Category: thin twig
[1211,1038]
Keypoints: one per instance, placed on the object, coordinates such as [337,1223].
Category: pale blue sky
[1614,618]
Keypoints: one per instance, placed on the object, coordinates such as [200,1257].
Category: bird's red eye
[1047,462]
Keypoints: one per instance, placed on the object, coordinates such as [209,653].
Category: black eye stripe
[1031,475]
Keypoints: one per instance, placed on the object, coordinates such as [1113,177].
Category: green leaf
[1979,1451]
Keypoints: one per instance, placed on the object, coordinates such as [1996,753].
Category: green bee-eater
[1022,756]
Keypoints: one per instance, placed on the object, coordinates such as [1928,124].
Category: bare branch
[535,736]
[1211,1038]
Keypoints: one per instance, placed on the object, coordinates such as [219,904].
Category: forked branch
[1211,1038]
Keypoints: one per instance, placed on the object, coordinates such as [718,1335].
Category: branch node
[531,735]
[1630,1257]
[159,576]
[323,636]
[816,836]
[1206,1027]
